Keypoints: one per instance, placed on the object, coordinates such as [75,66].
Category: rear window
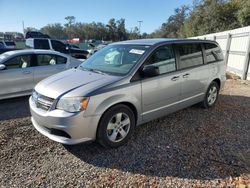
[41,44]
[213,53]
[190,55]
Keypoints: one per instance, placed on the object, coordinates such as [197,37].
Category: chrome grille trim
[43,102]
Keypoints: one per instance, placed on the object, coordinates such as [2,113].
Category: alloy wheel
[212,95]
[118,127]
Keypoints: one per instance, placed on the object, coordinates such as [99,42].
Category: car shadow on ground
[193,143]
[14,108]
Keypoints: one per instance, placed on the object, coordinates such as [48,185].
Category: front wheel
[211,95]
[116,126]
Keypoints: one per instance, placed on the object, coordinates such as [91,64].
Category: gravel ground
[192,147]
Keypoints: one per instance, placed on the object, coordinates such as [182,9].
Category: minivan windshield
[117,59]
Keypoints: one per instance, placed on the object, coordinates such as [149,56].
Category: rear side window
[47,59]
[190,55]
[41,44]
[61,60]
[22,61]
[213,53]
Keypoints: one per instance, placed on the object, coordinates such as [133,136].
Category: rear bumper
[60,126]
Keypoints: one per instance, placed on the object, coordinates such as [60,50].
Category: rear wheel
[116,126]
[211,95]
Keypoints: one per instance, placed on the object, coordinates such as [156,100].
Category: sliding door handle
[175,78]
[186,75]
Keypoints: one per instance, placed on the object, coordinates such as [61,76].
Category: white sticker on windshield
[136,51]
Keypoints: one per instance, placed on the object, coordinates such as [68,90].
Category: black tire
[206,103]
[103,134]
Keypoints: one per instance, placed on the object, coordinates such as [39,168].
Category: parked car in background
[36,34]
[4,44]
[18,36]
[93,48]
[21,70]
[127,84]
[57,45]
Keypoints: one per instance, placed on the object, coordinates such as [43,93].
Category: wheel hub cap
[118,127]
[212,95]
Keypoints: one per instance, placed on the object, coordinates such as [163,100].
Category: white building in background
[236,48]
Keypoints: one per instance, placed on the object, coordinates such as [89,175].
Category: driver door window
[164,59]
[22,61]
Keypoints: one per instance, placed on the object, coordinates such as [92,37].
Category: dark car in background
[36,34]
[57,45]
[7,44]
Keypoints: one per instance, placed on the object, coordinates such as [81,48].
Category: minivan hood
[67,81]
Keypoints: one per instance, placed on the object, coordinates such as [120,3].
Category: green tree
[70,21]
[134,33]
[112,29]
[209,16]
[121,30]
[174,23]
[244,12]
[69,26]
[55,31]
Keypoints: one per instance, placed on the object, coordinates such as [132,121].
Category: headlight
[72,104]
[34,95]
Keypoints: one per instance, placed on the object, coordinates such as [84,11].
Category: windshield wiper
[97,71]
[93,70]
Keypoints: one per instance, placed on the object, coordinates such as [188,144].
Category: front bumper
[60,126]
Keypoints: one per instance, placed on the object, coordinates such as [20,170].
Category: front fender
[116,99]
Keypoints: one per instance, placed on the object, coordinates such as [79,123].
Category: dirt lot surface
[192,147]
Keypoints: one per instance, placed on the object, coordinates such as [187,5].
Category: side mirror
[150,71]
[2,66]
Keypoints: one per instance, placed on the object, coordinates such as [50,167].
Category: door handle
[175,78]
[186,75]
[26,72]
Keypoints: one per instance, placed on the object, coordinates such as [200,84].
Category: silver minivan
[124,85]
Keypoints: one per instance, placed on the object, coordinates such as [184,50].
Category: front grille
[43,102]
